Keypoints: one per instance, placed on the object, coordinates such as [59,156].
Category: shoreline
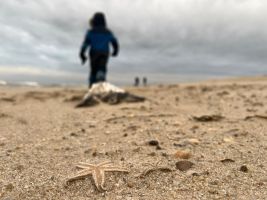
[193,81]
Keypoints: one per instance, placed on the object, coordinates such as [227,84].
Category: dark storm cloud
[186,36]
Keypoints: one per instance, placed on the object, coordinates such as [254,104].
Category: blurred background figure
[136,81]
[98,38]
[144,81]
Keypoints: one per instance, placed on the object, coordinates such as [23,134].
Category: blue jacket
[99,39]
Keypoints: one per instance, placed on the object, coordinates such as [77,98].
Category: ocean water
[126,78]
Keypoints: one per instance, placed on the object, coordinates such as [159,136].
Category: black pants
[98,64]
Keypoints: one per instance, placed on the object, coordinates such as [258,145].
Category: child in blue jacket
[98,38]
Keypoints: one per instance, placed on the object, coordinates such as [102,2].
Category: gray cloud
[198,37]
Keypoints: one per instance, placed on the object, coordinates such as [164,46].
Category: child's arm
[115,45]
[84,47]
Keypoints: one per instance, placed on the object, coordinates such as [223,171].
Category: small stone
[260,183]
[229,139]
[158,147]
[227,160]
[94,154]
[136,150]
[67,148]
[214,182]
[9,187]
[19,167]
[152,154]
[213,191]
[184,165]
[164,154]
[179,145]
[87,151]
[83,130]
[194,128]
[244,168]
[208,118]
[130,184]
[193,141]
[192,173]
[74,134]
[153,143]
[182,154]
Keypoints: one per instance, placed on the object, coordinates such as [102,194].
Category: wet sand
[205,140]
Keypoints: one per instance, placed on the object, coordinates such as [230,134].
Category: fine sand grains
[190,141]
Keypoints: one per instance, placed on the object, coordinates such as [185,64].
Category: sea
[124,79]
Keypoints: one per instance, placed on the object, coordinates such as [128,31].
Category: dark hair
[98,20]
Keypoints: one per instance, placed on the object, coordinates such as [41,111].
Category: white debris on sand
[107,93]
[3,82]
[104,87]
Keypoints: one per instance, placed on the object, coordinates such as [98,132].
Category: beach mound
[107,93]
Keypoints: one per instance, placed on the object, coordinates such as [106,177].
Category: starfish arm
[86,164]
[80,175]
[81,166]
[104,164]
[99,179]
[114,169]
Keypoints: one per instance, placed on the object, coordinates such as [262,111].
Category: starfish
[97,172]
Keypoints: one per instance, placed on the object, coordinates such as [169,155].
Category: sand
[217,128]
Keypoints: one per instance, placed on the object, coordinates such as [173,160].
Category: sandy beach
[205,140]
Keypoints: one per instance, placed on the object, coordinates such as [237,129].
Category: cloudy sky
[165,40]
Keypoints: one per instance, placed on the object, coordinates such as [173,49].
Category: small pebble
[227,160]
[184,165]
[152,154]
[164,154]
[179,145]
[213,191]
[182,154]
[94,154]
[67,148]
[130,184]
[158,147]
[243,168]
[153,143]
[19,167]
[193,141]
[9,187]
[73,134]
[214,182]
[192,173]
[87,151]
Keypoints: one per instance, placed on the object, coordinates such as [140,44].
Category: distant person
[145,81]
[136,81]
[98,37]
